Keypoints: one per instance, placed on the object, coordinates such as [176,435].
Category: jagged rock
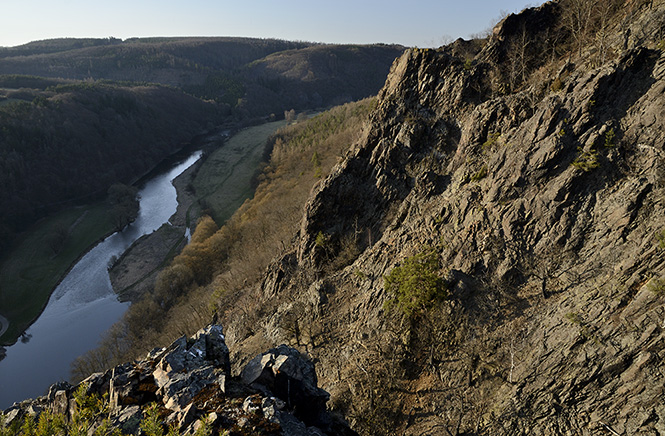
[12,415]
[270,406]
[287,375]
[252,404]
[186,367]
[215,348]
[57,387]
[543,202]
[97,383]
[190,379]
[131,384]
[178,389]
[60,402]
[59,398]
[34,410]
[186,417]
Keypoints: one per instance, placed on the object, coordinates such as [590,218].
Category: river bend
[84,305]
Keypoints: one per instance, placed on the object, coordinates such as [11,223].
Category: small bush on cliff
[90,417]
[660,236]
[657,285]
[415,286]
[610,138]
[151,425]
[481,174]
[90,410]
[586,160]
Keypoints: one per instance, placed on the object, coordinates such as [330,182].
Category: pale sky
[421,23]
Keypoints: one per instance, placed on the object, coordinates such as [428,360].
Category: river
[84,305]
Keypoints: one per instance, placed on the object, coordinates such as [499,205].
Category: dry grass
[228,264]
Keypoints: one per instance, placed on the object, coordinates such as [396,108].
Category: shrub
[574,317]
[660,236]
[50,424]
[90,417]
[492,139]
[322,240]
[586,160]
[657,286]
[415,286]
[205,228]
[171,283]
[481,174]
[557,85]
[151,424]
[610,136]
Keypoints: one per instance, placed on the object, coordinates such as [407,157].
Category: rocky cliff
[538,182]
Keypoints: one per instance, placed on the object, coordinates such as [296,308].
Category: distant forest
[68,143]
[78,115]
[254,76]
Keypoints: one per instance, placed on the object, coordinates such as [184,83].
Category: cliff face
[543,205]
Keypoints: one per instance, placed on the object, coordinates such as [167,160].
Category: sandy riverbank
[223,181]
[136,270]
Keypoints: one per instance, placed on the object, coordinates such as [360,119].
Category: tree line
[68,144]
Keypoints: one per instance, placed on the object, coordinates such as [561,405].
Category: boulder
[289,376]
[187,366]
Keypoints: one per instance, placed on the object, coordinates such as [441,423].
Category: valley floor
[223,182]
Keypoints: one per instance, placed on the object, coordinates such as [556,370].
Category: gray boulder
[289,376]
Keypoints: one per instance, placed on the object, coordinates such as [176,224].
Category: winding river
[84,305]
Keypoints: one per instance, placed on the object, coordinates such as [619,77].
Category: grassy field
[224,181]
[32,270]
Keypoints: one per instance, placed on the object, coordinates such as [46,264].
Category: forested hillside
[173,61]
[65,144]
[317,76]
[254,76]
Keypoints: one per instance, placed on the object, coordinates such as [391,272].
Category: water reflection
[83,306]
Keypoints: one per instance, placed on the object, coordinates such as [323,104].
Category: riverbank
[30,273]
[35,267]
[4,325]
[135,272]
[222,182]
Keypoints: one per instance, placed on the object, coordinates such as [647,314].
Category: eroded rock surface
[544,205]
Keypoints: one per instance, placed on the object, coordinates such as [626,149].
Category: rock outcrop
[190,384]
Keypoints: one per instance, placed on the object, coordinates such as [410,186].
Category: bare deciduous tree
[577,19]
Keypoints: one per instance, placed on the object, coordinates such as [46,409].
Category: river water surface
[84,305]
